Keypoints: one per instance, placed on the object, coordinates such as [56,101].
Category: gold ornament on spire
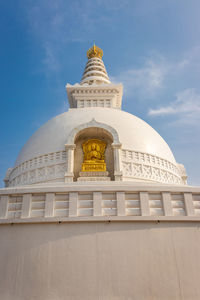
[94,52]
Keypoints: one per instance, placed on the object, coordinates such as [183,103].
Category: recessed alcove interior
[93,133]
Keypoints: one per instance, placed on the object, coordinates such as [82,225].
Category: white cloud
[144,81]
[186,107]
[55,23]
[162,111]
[51,60]
[159,75]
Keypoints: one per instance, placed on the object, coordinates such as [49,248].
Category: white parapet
[99,201]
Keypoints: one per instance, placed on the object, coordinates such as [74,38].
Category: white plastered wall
[109,260]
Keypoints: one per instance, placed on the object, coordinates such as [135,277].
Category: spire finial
[94,52]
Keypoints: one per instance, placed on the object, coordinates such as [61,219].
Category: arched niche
[93,133]
[93,129]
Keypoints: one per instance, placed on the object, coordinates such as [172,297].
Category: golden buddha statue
[94,159]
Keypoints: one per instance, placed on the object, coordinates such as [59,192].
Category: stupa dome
[134,151]
[44,156]
[134,133]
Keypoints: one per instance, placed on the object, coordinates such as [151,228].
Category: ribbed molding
[95,72]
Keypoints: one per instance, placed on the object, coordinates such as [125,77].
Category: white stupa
[95,110]
[99,206]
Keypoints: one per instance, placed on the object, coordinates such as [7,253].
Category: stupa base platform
[93,176]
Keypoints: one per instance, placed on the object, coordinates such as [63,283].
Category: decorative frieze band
[149,167]
[39,161]
[149,159]
[131,164]
[40,175]
[38,169]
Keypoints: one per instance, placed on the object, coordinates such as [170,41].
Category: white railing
[102,202]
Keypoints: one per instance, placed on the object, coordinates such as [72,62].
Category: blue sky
[151,46]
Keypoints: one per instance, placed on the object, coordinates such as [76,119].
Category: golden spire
[94,52]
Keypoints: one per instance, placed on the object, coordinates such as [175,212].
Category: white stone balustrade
[101,202]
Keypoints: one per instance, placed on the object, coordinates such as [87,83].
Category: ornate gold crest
[94,52]
[94,156]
